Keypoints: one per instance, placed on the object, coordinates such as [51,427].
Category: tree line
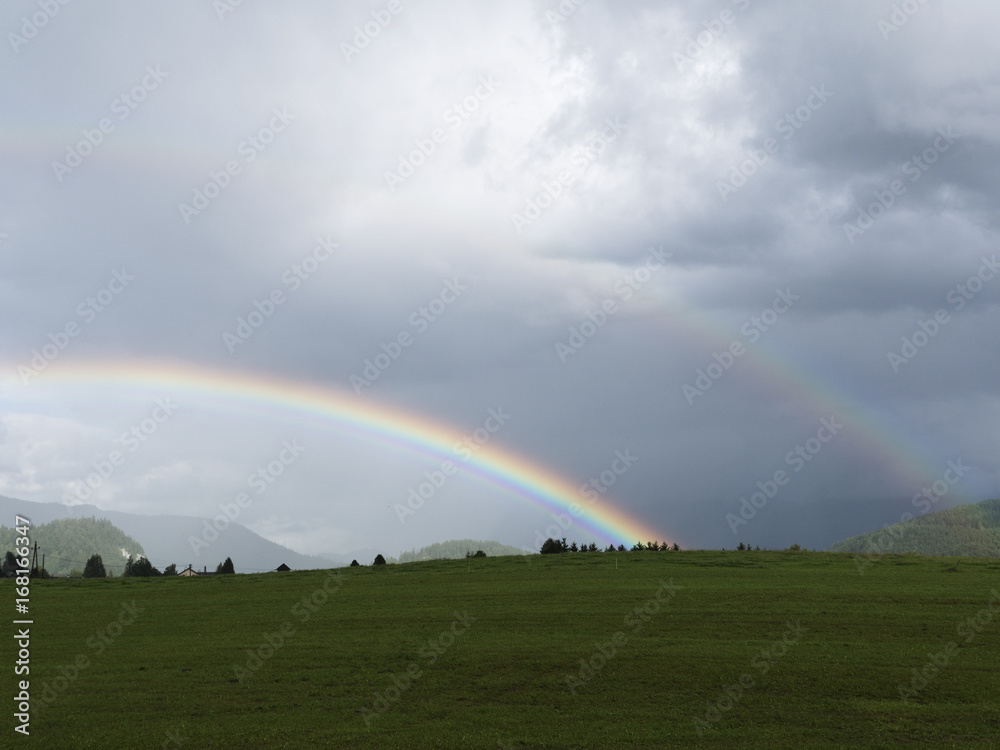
[554,546]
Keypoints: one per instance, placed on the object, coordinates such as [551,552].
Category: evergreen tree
[552,546]
[9,563]
[140,568]
[94,568]
[379,560]
[170,570]
[226,567]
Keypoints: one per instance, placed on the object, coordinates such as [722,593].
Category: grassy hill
[594,650]
[69,542]
[965,531]
[455,549]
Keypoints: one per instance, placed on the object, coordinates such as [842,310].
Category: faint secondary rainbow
[897,451]
[331,408]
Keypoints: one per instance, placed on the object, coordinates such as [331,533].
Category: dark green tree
[379,560]
[94,568]
[226,567]
[573,547]
[9,563]
[355,564]
[552,546]
[141,568]
[170,570]
[676,547]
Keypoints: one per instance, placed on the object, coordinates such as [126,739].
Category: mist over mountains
[166,539]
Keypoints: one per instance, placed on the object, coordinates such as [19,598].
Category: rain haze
[728,269]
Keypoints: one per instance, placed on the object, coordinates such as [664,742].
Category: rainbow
[871,434]
[330,408]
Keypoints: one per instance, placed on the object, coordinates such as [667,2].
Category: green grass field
[487,654]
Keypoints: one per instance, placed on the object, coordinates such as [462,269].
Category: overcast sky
[686,232]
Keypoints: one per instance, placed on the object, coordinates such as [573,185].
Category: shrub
[354,563]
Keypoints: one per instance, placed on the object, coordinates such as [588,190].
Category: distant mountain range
[165,539]
[965,531]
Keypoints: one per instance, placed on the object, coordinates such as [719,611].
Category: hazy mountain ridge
[456,548]
[67,544]
[166,539]
[965,531]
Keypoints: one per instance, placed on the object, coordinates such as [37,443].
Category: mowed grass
[498,676]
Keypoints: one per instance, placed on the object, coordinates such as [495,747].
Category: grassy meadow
[578,650]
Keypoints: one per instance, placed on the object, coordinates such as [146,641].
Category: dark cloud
[533,161]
